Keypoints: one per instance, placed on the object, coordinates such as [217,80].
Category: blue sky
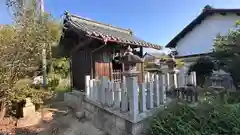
[156,21]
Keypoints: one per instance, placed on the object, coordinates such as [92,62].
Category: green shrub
[219,116]
[206,119]
[53,81]
[61,67]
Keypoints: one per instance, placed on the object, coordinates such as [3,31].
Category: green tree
[203,68]
[21,51]
[227,52]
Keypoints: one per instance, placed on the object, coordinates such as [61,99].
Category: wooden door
[102,69]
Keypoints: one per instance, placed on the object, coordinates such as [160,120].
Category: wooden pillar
[91,65]
[71,72]
[141,52]
[123,70]
[111,71]
[142,72]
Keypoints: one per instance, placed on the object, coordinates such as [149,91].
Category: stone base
[74,99]
[113,124]
[28,111]
[32,120]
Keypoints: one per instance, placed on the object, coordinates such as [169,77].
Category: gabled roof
[207,11]
[106,32]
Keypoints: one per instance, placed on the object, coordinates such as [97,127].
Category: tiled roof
[107,32]
[207,11]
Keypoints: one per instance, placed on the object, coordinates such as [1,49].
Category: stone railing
[125,107]
[133,98]
[128,98]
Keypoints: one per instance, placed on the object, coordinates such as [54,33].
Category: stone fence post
[132,87]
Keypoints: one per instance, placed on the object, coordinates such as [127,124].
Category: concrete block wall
[74,100]
[111,123]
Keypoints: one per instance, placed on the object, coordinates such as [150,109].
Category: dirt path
[61,120]
[58,120]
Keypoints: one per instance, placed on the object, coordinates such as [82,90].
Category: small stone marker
[28,109]
[30,116]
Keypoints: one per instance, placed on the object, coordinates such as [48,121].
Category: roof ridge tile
[101,24]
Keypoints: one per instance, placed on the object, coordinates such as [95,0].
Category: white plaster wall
[200,39]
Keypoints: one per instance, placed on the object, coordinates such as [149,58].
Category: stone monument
[30,116]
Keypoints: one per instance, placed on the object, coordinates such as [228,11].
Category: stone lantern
[130,72]
[217,79]
[153,68]
[168,67]
[163,66]
[216,82]
[130,61]
[171,64]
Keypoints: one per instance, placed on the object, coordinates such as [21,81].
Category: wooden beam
[142,72]
[111,71]
[71,74]
[91,66]
[141,52]
[80,45]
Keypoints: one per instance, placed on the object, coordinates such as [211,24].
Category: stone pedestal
[29,108]
[30,116]
[74,99]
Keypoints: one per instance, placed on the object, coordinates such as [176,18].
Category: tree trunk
[19,109]
[2,110]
